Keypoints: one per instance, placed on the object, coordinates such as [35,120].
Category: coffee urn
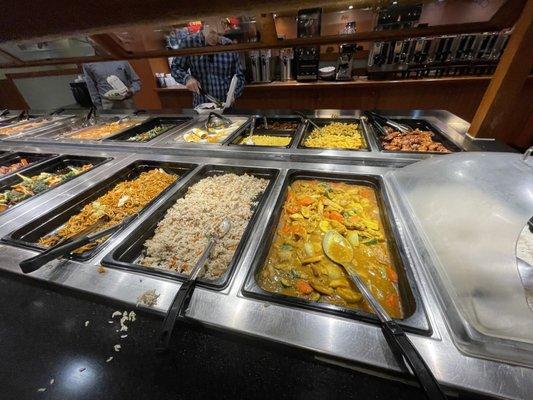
[286,56]
[255,64]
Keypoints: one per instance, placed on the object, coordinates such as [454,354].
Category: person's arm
[91,85]
[240,76]
[135,81]
[180,69]
[180,72]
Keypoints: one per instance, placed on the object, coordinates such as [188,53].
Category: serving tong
[213,99]
[305,119]
[381,120]
[90,119]
[183,296]
[76,241]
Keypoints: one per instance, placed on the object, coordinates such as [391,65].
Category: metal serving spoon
[184,294]
[338,249]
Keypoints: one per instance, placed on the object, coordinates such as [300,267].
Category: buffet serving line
[397,199]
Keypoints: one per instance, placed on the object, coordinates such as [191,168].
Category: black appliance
[345,62]
[307,58]
[81,94]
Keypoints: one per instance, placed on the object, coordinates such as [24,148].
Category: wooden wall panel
[10,97]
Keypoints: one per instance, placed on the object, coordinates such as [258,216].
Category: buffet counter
[118,268]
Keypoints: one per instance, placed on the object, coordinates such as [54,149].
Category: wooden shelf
[347,84]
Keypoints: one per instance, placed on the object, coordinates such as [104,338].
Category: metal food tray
[325,121]
[174,122]
[178,138]
[415,317]
[234,139]
[52,121]
[51,165]
[33,159]
[28,235]
[422,125]
[127,254]
[65,131]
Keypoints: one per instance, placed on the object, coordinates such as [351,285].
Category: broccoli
[39,186]
[13,197]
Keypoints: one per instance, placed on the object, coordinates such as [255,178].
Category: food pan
[308,128]
[172,122]
[51,166]
[235,139]
[127,254]
[28,235]
[423,126]
[415,319]
[33,158]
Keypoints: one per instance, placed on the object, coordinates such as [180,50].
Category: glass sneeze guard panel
[467,211]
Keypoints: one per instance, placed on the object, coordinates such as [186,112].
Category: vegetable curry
[296,264]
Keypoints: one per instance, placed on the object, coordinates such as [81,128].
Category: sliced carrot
[303,286]
[306,200]
[292,208]
[336,216]
[392,275]
[392,301]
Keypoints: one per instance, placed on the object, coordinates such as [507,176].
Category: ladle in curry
[184,294]
[339,250]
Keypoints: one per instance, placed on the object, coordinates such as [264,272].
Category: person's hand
[193,85]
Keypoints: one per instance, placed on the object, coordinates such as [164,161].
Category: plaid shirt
[213,71]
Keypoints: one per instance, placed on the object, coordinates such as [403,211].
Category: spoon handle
[367,294]
[405,350]
[402,348]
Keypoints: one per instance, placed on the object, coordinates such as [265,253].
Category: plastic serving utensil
[79,240]
[338,249]
[184,294]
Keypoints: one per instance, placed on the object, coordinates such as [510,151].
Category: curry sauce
[297,265]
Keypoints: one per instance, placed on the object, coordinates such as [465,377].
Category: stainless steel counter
[348,342]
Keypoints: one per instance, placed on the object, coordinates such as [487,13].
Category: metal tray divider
[53,199]
[5,157]
[110,245]
[67,184]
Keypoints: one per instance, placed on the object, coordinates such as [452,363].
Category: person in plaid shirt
[212,72]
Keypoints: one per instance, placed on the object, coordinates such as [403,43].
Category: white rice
[181,236]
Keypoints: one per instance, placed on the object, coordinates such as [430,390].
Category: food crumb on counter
[117,347]
[116,314]
[52,381]
[101,270]
[148,298]
[132,316]
[87,323]
[123,336]
[109,359]
[41,390]
[82,369]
